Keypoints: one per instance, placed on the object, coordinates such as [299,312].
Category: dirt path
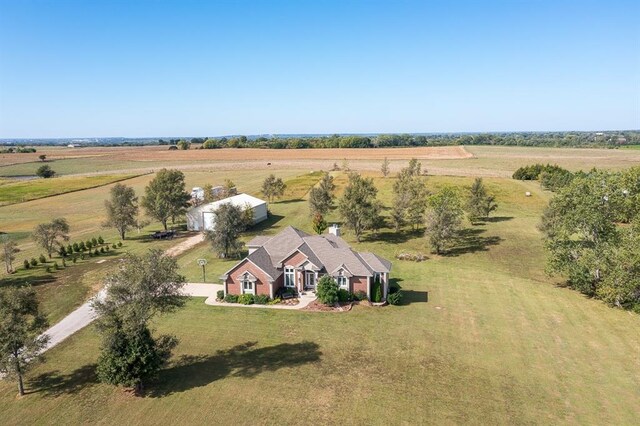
[185,245]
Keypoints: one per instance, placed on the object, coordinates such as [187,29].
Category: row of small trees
[441,213]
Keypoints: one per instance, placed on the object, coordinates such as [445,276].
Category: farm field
[484,336]
[497,161]
[17,192]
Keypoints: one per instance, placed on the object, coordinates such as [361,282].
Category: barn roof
[240,200]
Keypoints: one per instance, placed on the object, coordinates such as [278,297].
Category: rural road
[84,315]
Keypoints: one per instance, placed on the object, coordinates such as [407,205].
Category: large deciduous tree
[359,207]
[580,231]
[51,235]
[21,332]
[273,187]
[444,219]
[230,221]
[479,204]
[8,249]
[142,288]
[122,209]
[410,197]
[321,196]
[165,197]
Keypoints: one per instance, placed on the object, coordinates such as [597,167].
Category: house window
[342,281]
[289,280]
[247,287]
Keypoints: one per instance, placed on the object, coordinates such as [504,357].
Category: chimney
[334,230]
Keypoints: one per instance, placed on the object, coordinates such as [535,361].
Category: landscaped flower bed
[250,299]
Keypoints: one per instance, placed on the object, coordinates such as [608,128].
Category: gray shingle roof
[262,259]
[377,263]
[328,252]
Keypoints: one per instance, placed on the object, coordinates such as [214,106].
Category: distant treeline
[607,139]
[555,139]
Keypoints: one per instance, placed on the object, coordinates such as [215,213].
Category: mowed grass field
[62,291]
[12,192]
[484,336]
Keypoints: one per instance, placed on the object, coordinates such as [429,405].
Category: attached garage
[202,218]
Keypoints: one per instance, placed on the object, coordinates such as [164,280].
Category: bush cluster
[360,295]
[231,298]
[246,299]
[327,290]
[532,171]
[261,299]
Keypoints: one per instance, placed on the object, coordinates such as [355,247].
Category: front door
[310,280]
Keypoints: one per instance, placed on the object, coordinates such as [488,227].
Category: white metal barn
[202,218]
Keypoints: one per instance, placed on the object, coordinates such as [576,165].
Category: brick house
[296,259]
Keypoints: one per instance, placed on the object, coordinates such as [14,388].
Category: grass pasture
[484,335]
[21,191]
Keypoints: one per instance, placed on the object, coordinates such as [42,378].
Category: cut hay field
[484,337]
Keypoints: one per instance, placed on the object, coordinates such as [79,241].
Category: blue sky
[165,68]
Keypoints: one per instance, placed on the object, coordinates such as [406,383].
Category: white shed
[202,218]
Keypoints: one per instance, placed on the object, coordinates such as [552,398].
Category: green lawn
[484,337]
[18,192]
[60,292]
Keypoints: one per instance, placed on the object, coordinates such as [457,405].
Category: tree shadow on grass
[497,219]
[33,280]
[470,240]
[409,296]
[53,383]
[272,219]
[244,361]
[393,237]
[288,201]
